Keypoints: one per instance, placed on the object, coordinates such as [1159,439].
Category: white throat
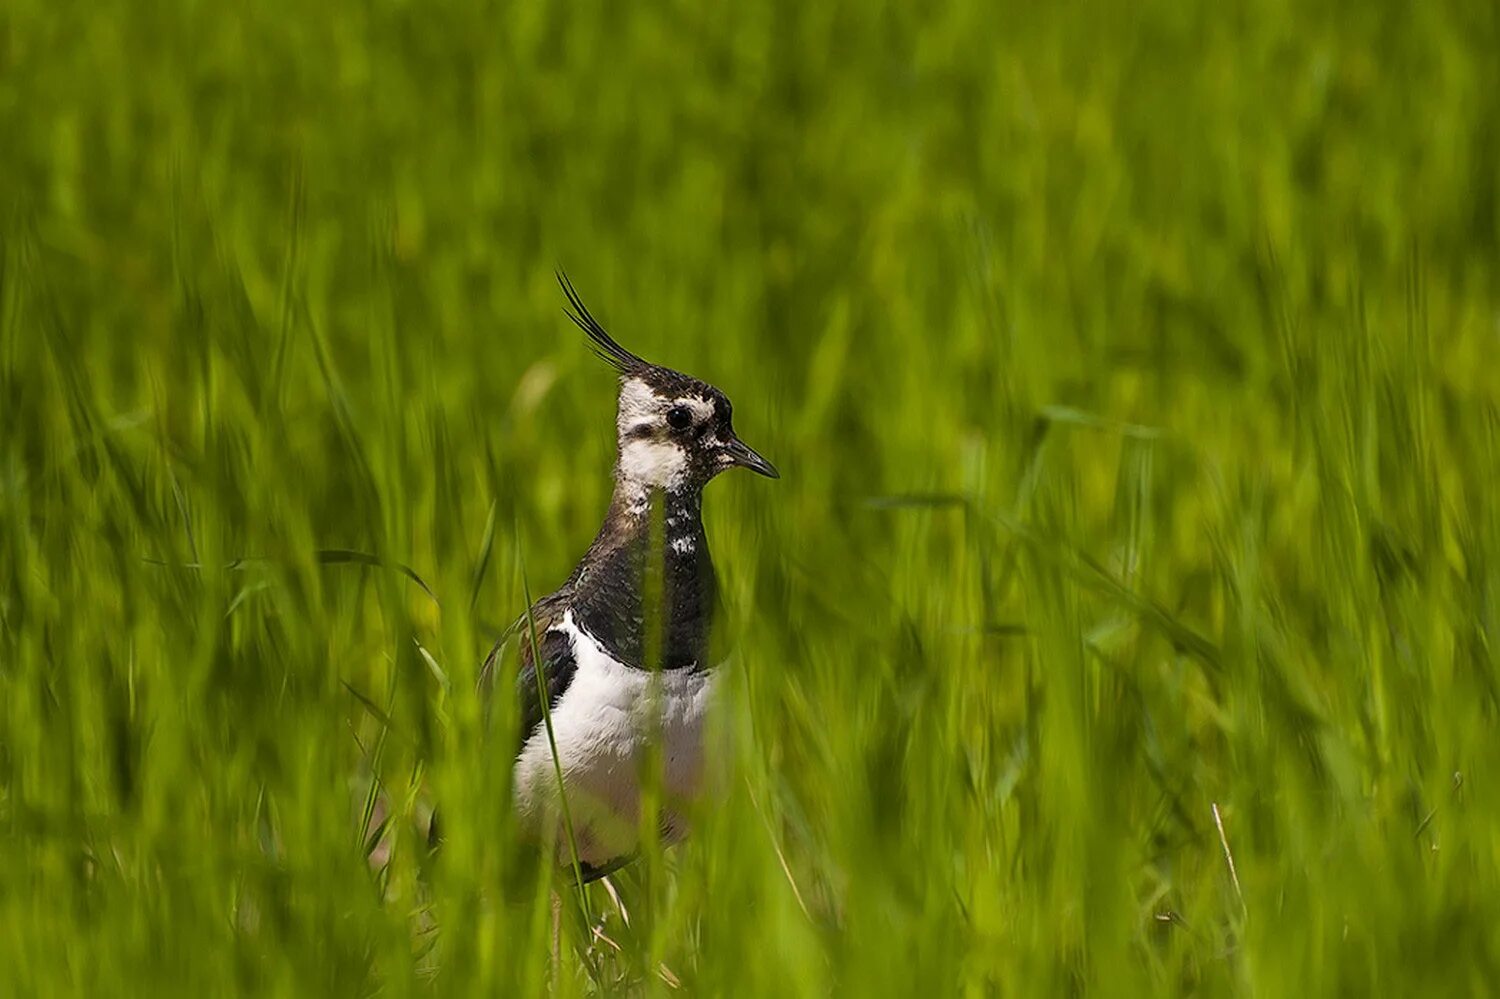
[646,465]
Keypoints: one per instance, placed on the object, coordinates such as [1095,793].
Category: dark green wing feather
[544,614]
[558,664]
[557,659]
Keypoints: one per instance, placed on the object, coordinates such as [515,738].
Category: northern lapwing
[623,646]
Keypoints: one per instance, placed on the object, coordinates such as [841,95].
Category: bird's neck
[648,575]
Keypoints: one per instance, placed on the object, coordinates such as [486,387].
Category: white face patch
[653,464]
[649,457]
[640,408]
[701,409]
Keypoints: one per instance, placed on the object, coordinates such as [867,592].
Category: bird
[622,649]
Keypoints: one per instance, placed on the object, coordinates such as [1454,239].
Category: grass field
[1130,367]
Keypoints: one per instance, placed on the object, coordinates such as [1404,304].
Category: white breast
[603,724]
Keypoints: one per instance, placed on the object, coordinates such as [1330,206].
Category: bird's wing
[543,614]
[557,665]
[557,659]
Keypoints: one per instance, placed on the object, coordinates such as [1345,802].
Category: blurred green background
[1131,372]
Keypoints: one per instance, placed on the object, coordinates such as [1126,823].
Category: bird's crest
[602,343]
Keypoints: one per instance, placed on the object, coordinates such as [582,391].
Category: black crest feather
[601,342]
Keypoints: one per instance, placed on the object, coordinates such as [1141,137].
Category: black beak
[744,456]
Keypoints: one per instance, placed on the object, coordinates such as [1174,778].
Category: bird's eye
[678,417]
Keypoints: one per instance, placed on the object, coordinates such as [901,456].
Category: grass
[1125,619]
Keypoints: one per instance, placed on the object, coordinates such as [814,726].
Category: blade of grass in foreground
[541,693]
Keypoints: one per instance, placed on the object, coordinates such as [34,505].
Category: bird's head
[675,432]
